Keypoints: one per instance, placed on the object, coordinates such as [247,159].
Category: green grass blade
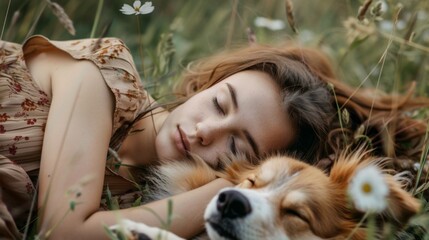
[97,18]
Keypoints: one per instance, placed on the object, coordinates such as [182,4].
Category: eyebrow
[233,94]
[249,137]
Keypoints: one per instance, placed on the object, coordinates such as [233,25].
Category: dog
[281,198]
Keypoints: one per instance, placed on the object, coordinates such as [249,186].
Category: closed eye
[294,213]
[217,106]
[233,146]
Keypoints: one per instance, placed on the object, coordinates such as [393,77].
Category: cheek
[164,149]
[209,156]
[190,112]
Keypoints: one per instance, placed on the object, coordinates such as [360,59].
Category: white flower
[368,190]
[272,24]
[137,8]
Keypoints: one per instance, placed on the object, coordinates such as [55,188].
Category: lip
[182,141]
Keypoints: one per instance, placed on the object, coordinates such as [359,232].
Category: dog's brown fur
[325,204]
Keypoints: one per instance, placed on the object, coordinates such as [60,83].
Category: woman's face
[241,114]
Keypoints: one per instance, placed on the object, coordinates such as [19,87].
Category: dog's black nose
[233,204]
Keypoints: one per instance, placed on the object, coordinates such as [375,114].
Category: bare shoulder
[53,68]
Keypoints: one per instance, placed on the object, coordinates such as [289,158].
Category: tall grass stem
[141,46]
[357,226]
[232,23]
[33,26]
[423,158]
[97,18]
[339,112]
[33,202]
[382,61]
[406,42]
[5,20]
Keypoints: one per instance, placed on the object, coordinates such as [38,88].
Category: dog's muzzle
[226,213]
[233,204]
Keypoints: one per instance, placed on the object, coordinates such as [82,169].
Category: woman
[255,101]
[63,104]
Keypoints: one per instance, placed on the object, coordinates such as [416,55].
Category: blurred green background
[387,49]
[179,31]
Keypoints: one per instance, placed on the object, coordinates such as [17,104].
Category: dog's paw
[130,230]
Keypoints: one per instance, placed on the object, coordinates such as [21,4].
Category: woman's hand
[187,215]
[188,209]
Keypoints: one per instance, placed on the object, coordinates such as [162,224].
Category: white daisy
[368,190]
[272,24]
[137,8]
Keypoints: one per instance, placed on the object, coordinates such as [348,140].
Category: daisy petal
[146,8]
[368,190]
[137,4]
[127,9]
[276,25]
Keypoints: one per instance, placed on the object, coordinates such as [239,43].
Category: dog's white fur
[130,228]
[261,218]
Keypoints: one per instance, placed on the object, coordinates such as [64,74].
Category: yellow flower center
[366,188]
[137,9]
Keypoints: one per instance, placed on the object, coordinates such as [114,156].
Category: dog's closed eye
[249,182]
[291,212]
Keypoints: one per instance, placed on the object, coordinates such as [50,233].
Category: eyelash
[217,106]
[232,146]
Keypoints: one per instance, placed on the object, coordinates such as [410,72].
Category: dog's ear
[345,166]
[401,205]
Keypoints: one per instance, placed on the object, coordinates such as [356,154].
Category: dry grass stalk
[251,37]
[103,34]
[5,20]
[411,26]
[290,16]
[12,25]
[62,16]
[232,23]
[363,9]
[376,11]
[358,30]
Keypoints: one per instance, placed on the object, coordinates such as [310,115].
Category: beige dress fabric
[24,111]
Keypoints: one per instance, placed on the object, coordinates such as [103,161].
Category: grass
[387,50]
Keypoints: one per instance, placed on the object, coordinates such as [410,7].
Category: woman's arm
[75,143]
[187,215]
[73,161]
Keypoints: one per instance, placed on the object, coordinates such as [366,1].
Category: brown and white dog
[283,198]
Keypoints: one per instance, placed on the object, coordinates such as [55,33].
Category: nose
[207,132]
[232,204]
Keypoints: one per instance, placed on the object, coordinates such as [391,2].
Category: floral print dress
[24,109]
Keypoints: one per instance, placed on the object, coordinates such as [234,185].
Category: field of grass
[388,48]
[391,48]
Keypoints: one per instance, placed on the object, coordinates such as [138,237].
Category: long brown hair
[383,121]
[306,99]
[313,97]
